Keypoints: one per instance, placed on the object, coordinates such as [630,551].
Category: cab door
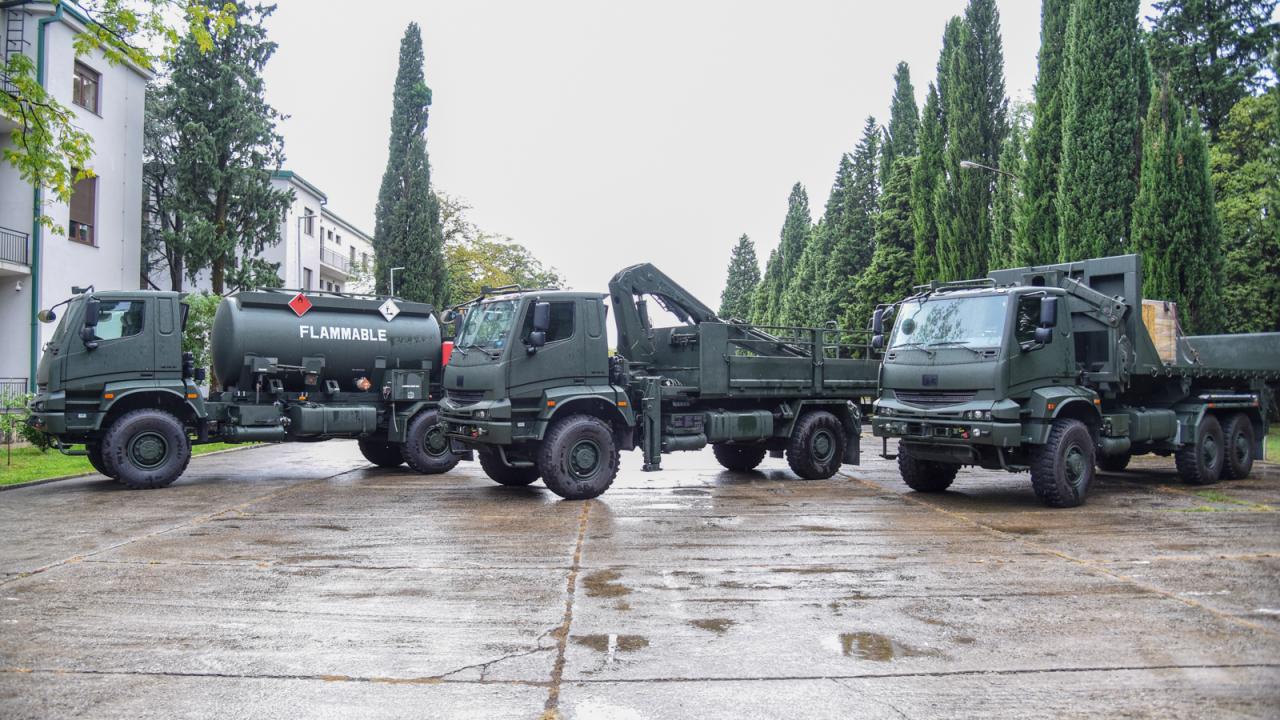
[125,347]
[557,363]
[1038,365]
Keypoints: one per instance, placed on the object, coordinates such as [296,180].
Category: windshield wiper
[956,343]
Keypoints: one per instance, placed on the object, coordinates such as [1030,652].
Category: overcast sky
[603,134]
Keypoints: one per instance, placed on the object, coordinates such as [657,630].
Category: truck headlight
[886,411]
[979,414]
[481,414]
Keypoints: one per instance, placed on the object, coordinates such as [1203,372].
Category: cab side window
[1027,320]
[119,319]
[561,321]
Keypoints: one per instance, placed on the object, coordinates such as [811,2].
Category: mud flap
[852,449]
[457,448]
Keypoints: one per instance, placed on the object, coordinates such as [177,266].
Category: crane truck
[291,366]
[533,388]
[1052,370]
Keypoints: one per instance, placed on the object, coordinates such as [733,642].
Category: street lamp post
[971,165]
[391,281]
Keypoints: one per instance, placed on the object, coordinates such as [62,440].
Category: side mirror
[877,322]
[877,341]
[46,316]
[541,318]
[92,307]
[537,339]
[1048,312]
[1044,335]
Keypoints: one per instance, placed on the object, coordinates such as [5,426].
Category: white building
[317,250]
[100,243]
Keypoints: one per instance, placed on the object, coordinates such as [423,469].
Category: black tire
[1114,463]
[816,446]
[1064,467]
[1200,462]
[578,458]
[381,453]
[504,474]
[739,458]
[925,476]
[426,448]
[1239,443]
[146,449]
[94,451]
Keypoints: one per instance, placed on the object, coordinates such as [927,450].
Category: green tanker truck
[291,366]
[1053,370]
[532,386]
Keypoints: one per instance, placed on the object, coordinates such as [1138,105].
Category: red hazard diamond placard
[300,304]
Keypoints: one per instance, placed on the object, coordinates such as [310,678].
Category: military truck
[291,366]
[1052,370]
[532,386]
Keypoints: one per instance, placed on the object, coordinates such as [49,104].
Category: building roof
[326,212]
[75,17]
[297,179]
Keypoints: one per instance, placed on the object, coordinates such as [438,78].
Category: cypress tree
[407,230]
[853,245]
[1213,51]
[975,110]
[890,275]
[1007,211]
[1246,178]
[904,123]
[1101,86]
[924,184]
[740,286]
[821,248]
[1175,223]
[1036,241]
[784,260]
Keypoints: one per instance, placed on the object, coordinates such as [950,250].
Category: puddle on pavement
[1017,529]
[609,643]
[339,528]
[718,626]
[604,583]
[876,647]
[689,491]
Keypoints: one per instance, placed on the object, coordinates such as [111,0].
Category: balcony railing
[14,246]
[335,259]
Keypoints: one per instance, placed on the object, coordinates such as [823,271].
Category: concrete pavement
[297,581]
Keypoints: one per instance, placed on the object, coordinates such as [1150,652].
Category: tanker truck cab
[521,360]
[118,355]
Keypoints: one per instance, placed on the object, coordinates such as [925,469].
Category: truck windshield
[971,321]
[487,325]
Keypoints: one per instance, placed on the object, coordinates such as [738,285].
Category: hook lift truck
[532,386]
[293,366]
[1053,370]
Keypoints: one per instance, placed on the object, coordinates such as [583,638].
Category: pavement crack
[484,666]
[552,708]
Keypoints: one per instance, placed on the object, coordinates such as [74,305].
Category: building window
[353,256]
[84,206]
[306,278]
[84,87]
[308,221]
[364,260]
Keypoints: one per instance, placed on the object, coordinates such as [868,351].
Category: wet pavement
[297,581]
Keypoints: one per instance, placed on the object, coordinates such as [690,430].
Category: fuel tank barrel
[347,338]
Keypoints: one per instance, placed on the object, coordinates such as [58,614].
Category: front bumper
[487,422]
[999,425]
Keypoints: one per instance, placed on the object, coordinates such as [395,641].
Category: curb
[46,481]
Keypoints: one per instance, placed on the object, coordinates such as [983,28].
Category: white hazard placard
[389,310]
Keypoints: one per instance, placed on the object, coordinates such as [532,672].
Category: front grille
[465,397]
[935,398]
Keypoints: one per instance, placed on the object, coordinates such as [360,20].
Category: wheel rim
[584,458]
[435,443]
[148,450]
[824,446]
[1076,465]
[1209,451]
[1242,449]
